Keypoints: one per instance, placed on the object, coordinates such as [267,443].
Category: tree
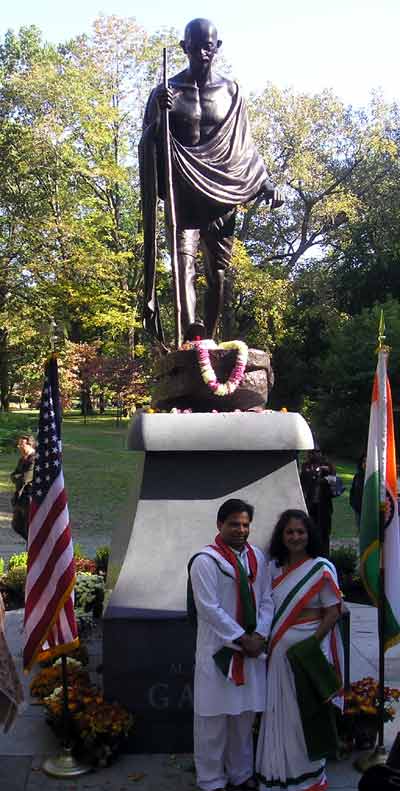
[70,232]
[257,302]
[341,411]
[365,260]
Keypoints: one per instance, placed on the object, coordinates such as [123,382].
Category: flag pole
[380,749]
[64,764]
[379,756]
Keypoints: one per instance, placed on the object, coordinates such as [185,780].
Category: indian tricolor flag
[380,493]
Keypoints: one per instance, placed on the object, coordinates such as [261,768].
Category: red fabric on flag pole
[50,625]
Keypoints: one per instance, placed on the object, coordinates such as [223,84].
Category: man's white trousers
[223,749]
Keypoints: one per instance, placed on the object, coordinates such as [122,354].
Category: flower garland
[202,348]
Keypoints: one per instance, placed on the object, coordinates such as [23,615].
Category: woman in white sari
[305,662]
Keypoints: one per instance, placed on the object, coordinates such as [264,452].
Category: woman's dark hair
[277,549]
[234,507]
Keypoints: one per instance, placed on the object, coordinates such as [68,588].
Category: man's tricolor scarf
[293,590]
[246,612]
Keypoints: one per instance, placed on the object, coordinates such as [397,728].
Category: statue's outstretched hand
[274,197]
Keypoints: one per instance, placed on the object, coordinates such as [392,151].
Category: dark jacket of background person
[318,496]
[357,488]
[22,478]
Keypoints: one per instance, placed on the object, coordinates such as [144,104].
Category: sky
[349,46]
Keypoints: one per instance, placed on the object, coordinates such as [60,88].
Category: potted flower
[98,729]
[102,727]
[360,716]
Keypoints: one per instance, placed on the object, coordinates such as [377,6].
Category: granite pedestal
[192,463]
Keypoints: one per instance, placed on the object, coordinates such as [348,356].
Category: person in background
[317,475]
[22,479]
[357,488]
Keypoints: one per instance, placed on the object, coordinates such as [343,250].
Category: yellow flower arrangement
[98,727]
[363,699]
[49,678]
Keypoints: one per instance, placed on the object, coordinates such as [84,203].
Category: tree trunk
[86,402]
[4,373]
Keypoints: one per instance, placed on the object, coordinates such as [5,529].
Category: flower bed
[89,588]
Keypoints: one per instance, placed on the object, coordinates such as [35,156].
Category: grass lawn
[343,522]
[99,469]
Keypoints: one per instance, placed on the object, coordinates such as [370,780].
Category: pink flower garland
[203,347]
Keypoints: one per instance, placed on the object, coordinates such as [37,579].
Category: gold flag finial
[382,346]
[381,331]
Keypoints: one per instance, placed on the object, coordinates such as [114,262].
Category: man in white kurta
[223,711]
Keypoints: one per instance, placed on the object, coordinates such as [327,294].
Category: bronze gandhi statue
[215,167]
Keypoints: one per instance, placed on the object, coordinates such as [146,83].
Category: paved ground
[23,750]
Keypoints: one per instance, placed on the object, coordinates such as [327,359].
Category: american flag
[50,625]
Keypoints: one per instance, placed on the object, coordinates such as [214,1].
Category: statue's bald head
[198,27]
[200,33]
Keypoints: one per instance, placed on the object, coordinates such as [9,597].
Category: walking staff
[170,216]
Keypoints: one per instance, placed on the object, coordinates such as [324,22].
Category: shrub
[18,560]
[345,559]
[101,558]
[15,580]
[1,567]
[84,621]
[89,593]
[78,552]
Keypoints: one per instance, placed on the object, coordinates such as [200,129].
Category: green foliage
[15,580]
[345,559]
[78,552]
[102,557]
[1,567]
[259,302]
[19,560]
[346,375]
[11,427]
[311,144]
[89,593]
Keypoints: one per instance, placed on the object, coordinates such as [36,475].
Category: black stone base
[150,671]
